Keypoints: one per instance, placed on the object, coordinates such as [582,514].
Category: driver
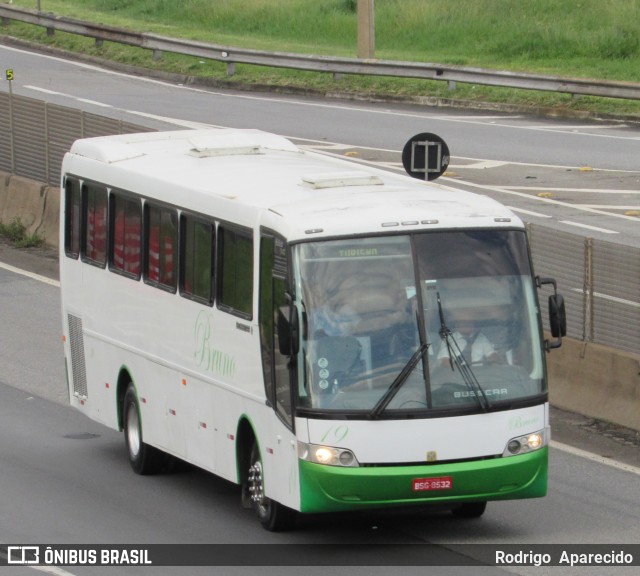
[474,346]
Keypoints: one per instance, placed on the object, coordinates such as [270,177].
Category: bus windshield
[414,323]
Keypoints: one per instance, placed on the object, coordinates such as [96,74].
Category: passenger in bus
[333,319]
[360,304]
[364,312]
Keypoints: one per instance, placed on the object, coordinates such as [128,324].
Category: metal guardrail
[232,56]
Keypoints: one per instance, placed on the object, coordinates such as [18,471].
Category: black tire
[273,516]
[470,510]
[144,459]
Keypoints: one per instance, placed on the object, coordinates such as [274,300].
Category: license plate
[438,483]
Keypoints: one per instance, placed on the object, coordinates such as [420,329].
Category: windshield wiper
[399,380]
[455,356]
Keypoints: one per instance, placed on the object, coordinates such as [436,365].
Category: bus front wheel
[144,459]
[272,515]
[470,510]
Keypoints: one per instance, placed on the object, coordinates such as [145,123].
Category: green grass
[16,233]
[576,38]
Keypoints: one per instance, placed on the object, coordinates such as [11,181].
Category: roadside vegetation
[15,232]
[573,38]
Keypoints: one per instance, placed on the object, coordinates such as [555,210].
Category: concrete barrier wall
[589,379]
[37,206]
[596,381]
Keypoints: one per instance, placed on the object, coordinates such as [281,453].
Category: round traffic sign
[425,156]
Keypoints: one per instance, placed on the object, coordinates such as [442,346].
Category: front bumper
[333,488]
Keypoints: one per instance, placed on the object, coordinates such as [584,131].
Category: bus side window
[235,271]
[126,230]
[95,224]
[161,247]
[72,218]
[196,259]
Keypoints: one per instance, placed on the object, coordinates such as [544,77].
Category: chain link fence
[599,280]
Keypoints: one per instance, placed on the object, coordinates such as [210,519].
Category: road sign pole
[366,29]
[9,76]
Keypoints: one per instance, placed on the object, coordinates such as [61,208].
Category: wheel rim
[256,489]
[133,431]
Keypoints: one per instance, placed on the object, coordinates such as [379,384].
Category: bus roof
[254,178]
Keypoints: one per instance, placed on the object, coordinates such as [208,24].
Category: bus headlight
[527,443]
[327,455]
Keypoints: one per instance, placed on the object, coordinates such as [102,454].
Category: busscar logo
[489,392]
[23,555]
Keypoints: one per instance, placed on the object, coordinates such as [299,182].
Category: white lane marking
[54,93]
[94,102]
[558,166]
[595,458]
[583,190]
[610,298]
[333,146]
[184,123]
[588,227]
[508,190]
[391,165]
[611,206]
[595,127]
[31,275]
[529,212]
[480,165]
[52,570]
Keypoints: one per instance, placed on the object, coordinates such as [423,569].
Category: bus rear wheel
[272,515]
[144,459]
[470,510]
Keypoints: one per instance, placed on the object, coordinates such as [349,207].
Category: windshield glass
[439,320]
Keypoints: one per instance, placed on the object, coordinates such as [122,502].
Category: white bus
[331,337]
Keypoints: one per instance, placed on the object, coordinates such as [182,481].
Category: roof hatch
[225,142]
[204,152]
[340,179]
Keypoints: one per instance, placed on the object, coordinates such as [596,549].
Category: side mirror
[288,330]
[557,320]
[557,314]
